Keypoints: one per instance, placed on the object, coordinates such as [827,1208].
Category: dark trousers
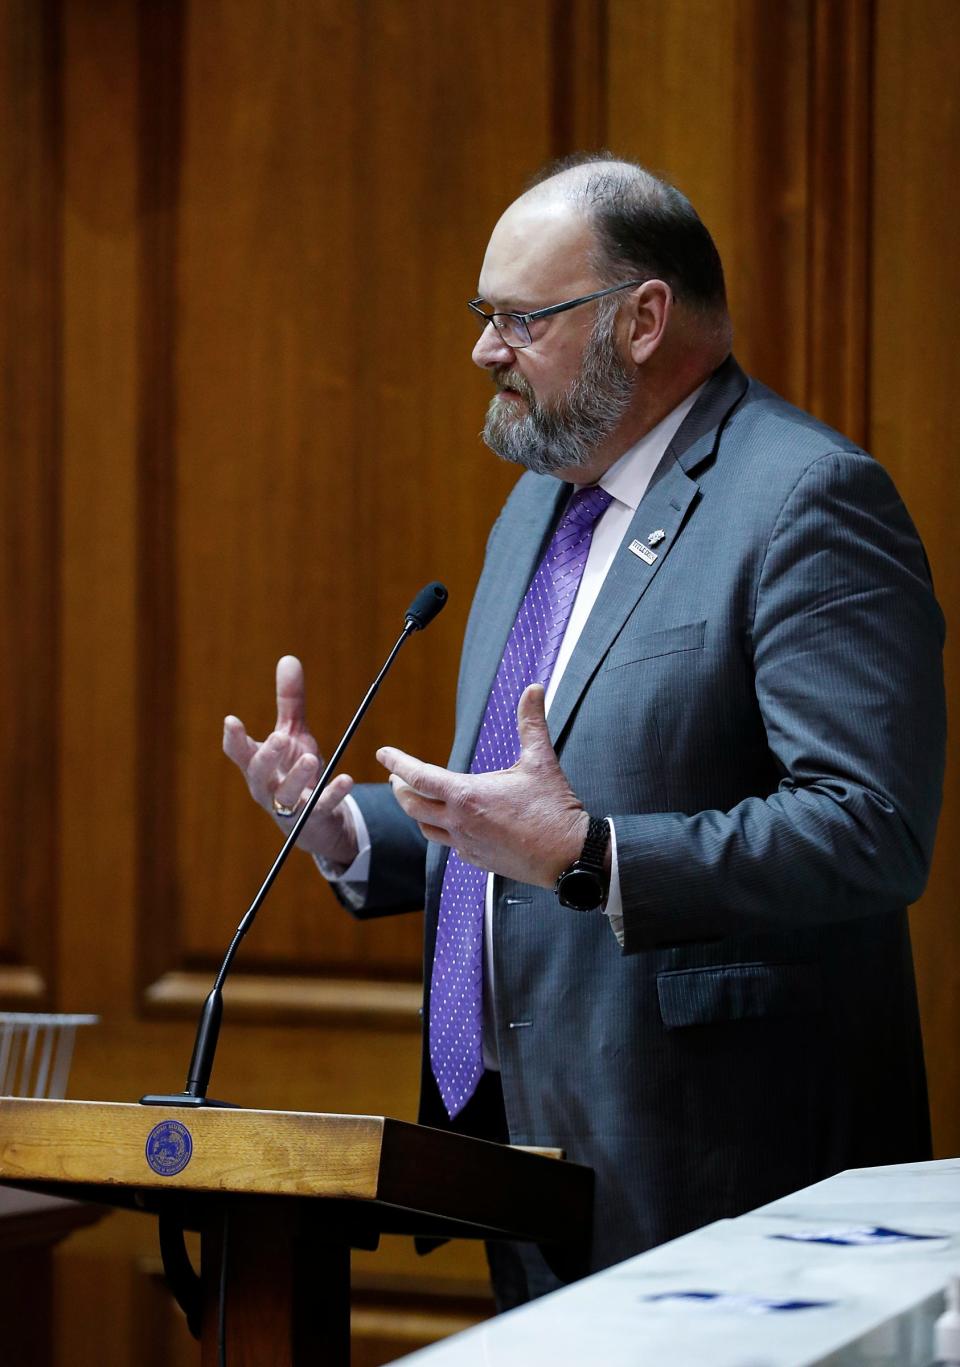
[518,1272]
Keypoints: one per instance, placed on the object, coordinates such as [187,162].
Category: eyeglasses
[514,328]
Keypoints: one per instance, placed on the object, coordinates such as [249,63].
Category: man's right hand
[285,767]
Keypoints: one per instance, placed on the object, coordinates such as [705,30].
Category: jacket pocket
[732,992]
[667,642]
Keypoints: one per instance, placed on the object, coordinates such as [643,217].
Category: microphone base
[183,1099]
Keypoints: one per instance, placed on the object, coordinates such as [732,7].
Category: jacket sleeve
[397,855]
[847,655]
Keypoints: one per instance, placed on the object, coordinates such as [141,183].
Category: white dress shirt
[626,481]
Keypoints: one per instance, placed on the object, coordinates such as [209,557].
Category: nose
[491,350]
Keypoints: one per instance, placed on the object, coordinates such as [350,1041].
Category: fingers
[288,795]
[237,745]
[288,788]
[415,803]
[428,780]
[291,695]
[425,811]
[438,834]
[334,793]
[269,780]
[535,739]
[274,760]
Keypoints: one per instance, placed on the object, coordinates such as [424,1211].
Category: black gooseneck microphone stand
[421,612]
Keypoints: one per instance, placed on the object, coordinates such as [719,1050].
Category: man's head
[595,377]
[563,434]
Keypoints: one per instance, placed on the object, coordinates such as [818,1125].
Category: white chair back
[36,1050]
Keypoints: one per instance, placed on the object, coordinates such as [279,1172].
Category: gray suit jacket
[760,711]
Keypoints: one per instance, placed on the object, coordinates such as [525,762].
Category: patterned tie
[456,987]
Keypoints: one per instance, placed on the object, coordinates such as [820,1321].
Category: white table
[881,1299]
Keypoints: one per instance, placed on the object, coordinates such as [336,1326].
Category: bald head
[626,288]
[641,227]
[574,176]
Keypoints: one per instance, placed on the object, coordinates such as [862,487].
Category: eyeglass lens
[514,332]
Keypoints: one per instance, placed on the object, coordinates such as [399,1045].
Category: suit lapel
[663,508]
[527,529]
[698,436]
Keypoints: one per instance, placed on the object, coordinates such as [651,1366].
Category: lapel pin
[644,552]
[656,537]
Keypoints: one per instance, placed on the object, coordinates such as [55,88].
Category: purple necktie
[456,987]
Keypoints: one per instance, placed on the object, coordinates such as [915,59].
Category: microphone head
[426,605]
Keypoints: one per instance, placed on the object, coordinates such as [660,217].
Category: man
[729,622]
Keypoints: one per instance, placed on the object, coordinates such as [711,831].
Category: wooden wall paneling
[838,246]
[157,119]
[325,415]
[273,278]
[29,499]
[264,183]
[163,1339]
[100,786]
[580,40]
[914,381]
[101,1303]
[394,1316]
[390,1317]
[30,1228]
[715,96]
[272,215]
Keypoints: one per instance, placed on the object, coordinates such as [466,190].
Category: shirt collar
[628,477]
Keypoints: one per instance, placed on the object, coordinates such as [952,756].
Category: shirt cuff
[614,907]
[351,881]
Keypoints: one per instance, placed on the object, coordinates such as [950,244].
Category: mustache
[505,378]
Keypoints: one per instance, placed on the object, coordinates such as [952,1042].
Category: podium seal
[169,1148]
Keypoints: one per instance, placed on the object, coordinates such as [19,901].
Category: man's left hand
[525,823]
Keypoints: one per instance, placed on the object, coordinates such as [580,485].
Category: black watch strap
[583,886]
[594,852]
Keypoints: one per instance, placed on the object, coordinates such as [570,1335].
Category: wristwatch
[583,886]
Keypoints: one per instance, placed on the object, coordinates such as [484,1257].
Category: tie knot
[586,505]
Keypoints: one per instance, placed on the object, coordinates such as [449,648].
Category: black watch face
[580,890]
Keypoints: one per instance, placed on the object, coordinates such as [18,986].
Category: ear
[651,307]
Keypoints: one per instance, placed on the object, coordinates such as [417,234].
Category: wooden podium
[280,1198]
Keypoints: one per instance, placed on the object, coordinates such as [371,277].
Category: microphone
[421,612]
[428,602]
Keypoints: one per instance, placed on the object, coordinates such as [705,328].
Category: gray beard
[564,436]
